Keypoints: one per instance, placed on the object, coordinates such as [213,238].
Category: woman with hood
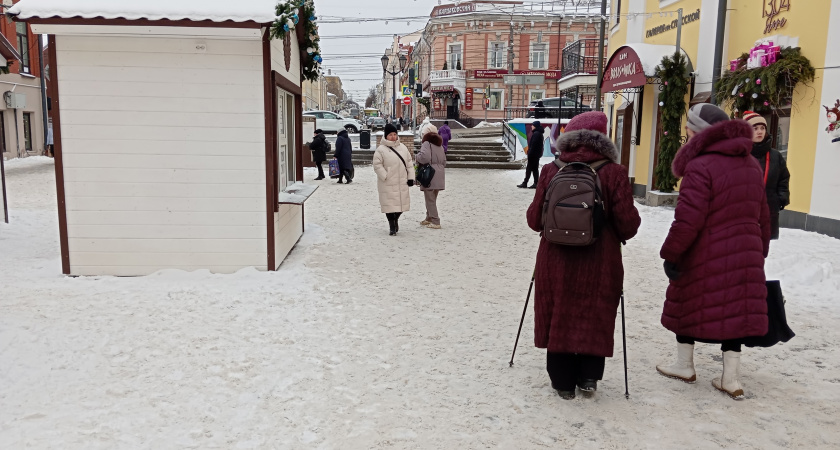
[344,155]
[578,288]
[432,152]
[714,253]
[394,168]
[774,168]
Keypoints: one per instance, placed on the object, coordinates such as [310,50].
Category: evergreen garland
[764,89]
[672,72]
[289,14]
[427,102]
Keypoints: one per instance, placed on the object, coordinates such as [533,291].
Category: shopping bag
[334,171]
[777,326]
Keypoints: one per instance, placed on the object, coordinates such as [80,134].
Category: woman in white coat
[394,167]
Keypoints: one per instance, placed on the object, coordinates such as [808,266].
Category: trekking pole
[521,321]
[624,338]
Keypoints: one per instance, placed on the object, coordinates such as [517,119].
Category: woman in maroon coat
[578,288]
[714,253]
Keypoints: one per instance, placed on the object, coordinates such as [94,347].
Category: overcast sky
[358,58]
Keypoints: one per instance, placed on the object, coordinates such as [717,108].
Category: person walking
[344,155]
[446,134]
[394,168]
[577,289]
[536,147]
[432,152]
[774,168]
[402,123]
[319,149]
[714,252]
[539,110]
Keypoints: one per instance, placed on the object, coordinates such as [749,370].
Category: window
[497,55]
[455,57]
[496,98]
[537,95]
[330,116]
[618,12]
[538,56]
[27,130]
[23,47]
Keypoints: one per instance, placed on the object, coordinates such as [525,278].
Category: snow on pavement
[362,340]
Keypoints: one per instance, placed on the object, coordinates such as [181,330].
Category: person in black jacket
[344,155]
[319,152]
[774,166]
[539,110]
[536,147]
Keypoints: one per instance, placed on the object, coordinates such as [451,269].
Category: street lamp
[385,58]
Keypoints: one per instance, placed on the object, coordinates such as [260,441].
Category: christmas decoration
[833,116]
[672,70]
[289,14]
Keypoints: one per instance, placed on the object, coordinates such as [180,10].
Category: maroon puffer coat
[578,288]
[719,238]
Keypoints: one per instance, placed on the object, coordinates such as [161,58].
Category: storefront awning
[632,64]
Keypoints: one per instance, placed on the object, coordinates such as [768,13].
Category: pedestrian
[402,123]
[577,289]
[539,110]
[344,155]
[714,253]
[446,134]
[319,149]
[432,152]
[774,167]
[394,168]
[536,147]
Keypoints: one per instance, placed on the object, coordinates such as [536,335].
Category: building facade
[643,31]
[315,94]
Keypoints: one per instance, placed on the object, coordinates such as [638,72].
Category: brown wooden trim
[3,186]
[268,104]
[299,137]
[287,85]
[58,154]
[138,22]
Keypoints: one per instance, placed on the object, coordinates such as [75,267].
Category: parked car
[558,108]
[333,123]
[377,123]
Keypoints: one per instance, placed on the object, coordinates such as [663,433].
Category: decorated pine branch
[300,13]
[672,72]
[766,87]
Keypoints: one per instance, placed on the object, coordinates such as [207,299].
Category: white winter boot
[683,369]
[729,381]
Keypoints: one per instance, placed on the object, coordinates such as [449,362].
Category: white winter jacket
[392,176]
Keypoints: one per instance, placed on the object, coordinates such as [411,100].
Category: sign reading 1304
[772,9]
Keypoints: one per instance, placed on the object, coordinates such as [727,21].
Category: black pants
[393,216]
[320,168]
[532,168]
[732,345]
[346,174]
[565,369]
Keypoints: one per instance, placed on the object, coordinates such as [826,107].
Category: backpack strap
[595,166]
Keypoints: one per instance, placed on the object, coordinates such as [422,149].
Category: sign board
[406,100]
[499,73]
[437,104]
[468,100]
[623,71]
[406,90]
[478,90]
[513,79]
[449,10]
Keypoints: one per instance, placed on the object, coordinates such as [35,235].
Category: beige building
[315,94]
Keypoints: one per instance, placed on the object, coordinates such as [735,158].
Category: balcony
[580,64]
[447,75]
[448,80]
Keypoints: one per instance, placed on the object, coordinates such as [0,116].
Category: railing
[509,140]
[448,75]
[580,57]
[459,116]
[548,113]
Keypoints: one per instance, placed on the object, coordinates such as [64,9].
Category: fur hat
[754,119]
[592,120]
[390,128]
[428,128]
[704,115]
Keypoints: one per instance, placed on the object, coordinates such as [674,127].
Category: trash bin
[364,139]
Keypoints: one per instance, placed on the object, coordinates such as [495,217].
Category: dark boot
[523,185]
[392,223]
[587,385]
[397,222]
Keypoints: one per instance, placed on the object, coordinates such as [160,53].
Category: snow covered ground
[362,340]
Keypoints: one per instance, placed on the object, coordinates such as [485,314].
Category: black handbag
[777,326]
[425,175]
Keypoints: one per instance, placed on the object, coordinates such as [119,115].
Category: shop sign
[444,88]
[623,71]
[687,19]
[450,10]
[500,73]
[468,100]
[772,9]
[437,104]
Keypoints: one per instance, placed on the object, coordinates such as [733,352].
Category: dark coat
[578,288]
[431,152]
[344,151]
[446,134]
[778,181]
[319,148]
[719,238]
[536,146]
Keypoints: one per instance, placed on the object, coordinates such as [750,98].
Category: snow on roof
[261,11]
[651,55]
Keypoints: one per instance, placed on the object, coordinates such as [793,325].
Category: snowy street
[362,340]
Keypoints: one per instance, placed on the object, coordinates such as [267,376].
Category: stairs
[462,155]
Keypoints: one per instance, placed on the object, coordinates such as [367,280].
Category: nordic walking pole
[523,318]
[624,338]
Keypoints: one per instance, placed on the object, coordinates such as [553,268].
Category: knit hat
[592,120]
[754,118]
[704,115]
[319,131]
[390,128]
[536,124]
[428,128]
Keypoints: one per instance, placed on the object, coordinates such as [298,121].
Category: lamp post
[385,59]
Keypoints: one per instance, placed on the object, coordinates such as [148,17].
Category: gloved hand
[671,270]
[411,182]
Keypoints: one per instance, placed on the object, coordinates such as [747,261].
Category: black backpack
[574,210]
